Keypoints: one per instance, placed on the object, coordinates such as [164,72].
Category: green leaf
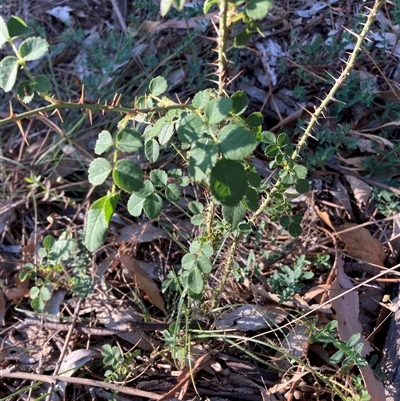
[228,182]
[188,261]
[103,143]
[42,83]
[233,214]
[165,6]
[217,110]
[204,264]
[17,27]
[158,86]
[99,170]
[300,171]
[242,39]
[255,119]
[158,177]
[207,250]
[191,128]
[128,175]
[152,206]
[196,207]
[4,33]
[34,292]
[285,221]
[197,220]
[302,186]
[129,140]
[8,72]
[271,150]
[253,179]
[173,193]
[25,91]
[48,242]
[239,102]
[152,150]
[33,48]
[201,99]
[195,281]
[294,229]
[166,132]
[208,4]
[136,200]
[251,199]
[268,137]
[98,220]
[236,142]
[282,140]
[202,158]
[258,9]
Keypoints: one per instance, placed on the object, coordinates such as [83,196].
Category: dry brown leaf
[361,190]
[347,307]
[141,232]
[374,386]
[143,280]
[361,244]
[325,218]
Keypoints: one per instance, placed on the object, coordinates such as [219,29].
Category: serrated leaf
[204,264]
[4,33]
[98,220]
[202,158]
[268,137]
[33,48]
[282,140]
[128,175]
[302,186]
[188,261]
[16,27]
[129,140]
[8,72]
[300,171]
[135,205]
[233,214]
[103,143]
[42,83]
[152,206]
[158,86]
[258,9]
[255,119]
[166,132]
[173,193]
[271,150]
[195,281]
[25,91]
[201,99]
[217,110]
[152,150]
[99,170]
[236,142]
[191,128]
[158,177]
[196,207]
[228,182]
[242,39]
[239,102]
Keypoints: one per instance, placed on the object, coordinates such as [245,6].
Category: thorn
[82,99]
[90,117]
[59,115]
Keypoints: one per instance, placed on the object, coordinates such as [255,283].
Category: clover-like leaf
[17,27]
[8,72]
[33,48]
[195,281]
[158,177]
[129,140]
[128,175]
[103,143]
[4,32]
[99,170]
[152,206]
[258,9]
[158,86]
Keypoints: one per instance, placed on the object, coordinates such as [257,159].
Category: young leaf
[129,140]
[258,9]
[195,281]
[217,110]
[98,220]
[236,142]
[201,99]
[158,86]
[228,182]
[152,206]
[239,102]
[158,177]
[33,48]
[242,39]
[25,91]
[17,27]
[8,72]
[103,143]
[233,214]
[152,150]
[42,83]
[99,170]
[202,158]
[255,119]
[165,6]
[4,33]
[128,175]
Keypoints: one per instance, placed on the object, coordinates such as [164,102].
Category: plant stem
[223,31]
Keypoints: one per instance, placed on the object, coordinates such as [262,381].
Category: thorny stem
[223,32]
[330,97]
